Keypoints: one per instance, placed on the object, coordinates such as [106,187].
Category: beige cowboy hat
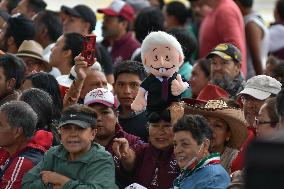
[232,116]
[30,48]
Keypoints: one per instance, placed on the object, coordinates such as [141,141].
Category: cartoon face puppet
[162,60]
[162,56]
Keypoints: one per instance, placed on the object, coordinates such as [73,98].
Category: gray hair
[160,38]
[20,114]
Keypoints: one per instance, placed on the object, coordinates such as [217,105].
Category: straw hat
[232,116]
[30,48]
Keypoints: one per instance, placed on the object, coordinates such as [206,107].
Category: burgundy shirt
[123,48]
[155,169]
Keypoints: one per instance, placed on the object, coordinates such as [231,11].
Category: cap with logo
[227,51]
[82,11]
[80,119]
[119,8]
[101,96]
[261,87]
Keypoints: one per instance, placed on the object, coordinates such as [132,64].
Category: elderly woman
[229,129]
[152,165]
[199,168]
[267,122]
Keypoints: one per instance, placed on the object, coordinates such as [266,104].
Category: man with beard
[226,61]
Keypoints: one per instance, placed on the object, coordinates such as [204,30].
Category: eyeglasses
[257,122]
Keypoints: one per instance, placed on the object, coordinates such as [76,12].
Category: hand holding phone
[89,48]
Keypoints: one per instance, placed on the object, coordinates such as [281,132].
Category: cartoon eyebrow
[168,48]
[154,49]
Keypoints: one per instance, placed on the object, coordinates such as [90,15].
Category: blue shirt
[209,177]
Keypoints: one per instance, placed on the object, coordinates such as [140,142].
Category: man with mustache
[116,31]
[226,61]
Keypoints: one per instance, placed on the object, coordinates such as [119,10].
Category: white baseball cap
[261,87]
[101,96]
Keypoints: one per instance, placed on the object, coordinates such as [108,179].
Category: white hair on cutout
[159,38]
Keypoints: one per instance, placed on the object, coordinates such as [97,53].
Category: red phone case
[89,45]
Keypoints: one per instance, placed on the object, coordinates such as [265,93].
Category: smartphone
[89,48]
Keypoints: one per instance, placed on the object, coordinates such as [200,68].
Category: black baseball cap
[80,119]
[82,11]
[227,51]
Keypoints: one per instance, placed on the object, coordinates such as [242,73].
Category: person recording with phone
[199,168]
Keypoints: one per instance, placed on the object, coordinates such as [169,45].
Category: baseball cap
[227,51]
[81,119]
[261,87]
[119,8]
[82,11]
[101,96]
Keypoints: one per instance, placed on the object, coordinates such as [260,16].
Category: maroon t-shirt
[123,48]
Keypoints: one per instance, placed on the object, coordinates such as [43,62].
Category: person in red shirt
[226,25]
[18,152]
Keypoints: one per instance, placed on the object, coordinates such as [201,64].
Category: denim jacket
[209,177]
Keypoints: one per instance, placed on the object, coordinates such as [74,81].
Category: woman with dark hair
[151,165]
[49,84]
[200,76]
[267,122]
[41,102]
[199,168]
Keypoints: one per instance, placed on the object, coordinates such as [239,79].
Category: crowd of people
[174,99]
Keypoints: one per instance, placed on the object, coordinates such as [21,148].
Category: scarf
[212,159]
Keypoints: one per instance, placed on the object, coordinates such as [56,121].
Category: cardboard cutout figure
[161,56]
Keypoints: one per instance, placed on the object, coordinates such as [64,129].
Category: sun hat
[31,48]
[232,116]
[261,87]
[209,92]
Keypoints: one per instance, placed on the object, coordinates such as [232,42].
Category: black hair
[132,67]
[74,42]
[36,5]
[278,72]
[197,125]
[246,3]
[52,22]
[41,103]
[122,19]
[13,67]
[49,84]
[148,20]
[11,5]
[187,41]
[280,8]
[280,103]
[178,10]
[205,66]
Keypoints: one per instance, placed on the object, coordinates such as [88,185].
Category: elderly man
[226,68]
[18,154]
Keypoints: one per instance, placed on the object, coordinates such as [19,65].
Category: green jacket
[95,170]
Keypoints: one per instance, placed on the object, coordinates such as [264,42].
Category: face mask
[194,159]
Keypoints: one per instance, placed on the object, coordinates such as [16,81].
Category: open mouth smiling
[162,69]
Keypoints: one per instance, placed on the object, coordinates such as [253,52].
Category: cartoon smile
[163,69]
